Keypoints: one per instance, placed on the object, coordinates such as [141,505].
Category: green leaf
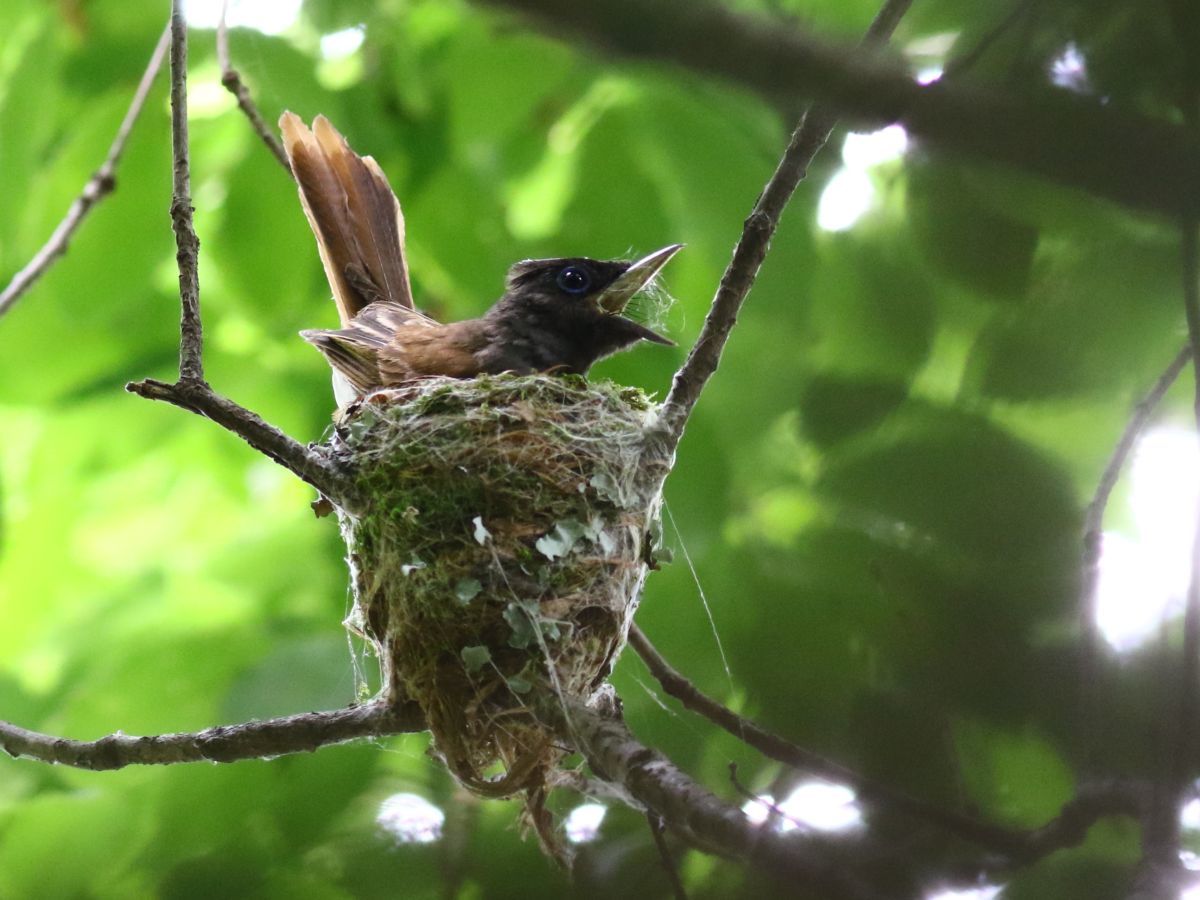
[466,590]
[521,622]
[968,239]
[834,409]
[562,539]
[475,658]
[518,685]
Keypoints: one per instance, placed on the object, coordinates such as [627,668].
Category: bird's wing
[369,351]
[451,350]
[353,214]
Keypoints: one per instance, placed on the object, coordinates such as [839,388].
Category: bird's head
[580,301]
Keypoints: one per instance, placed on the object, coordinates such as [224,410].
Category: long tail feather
[353,214]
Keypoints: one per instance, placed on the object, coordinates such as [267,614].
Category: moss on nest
[504,547]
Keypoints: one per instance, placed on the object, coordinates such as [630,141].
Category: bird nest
[507,532]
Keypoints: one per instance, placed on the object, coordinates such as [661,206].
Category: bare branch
[301,733]
[751,250]
[99,186]
[192,392]
[1093,535]
[187,252]
[1093,801]
[695,813]
[310,464]
[1161,841]
[1137,161]
[664,853]
[995,837]
[232,79]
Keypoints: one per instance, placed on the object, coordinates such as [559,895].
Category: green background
[880,494]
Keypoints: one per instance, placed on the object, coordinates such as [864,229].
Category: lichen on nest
[507,532]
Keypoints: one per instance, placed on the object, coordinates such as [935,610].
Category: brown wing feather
[417,350]
[353,214]
[356,360]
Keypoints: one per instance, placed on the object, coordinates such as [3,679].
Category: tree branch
[807,140]
[960,64]
[657,827]
[1161,841]
[232,80]
[1094,800]
[1093,535]
[191,391]
[311,464]
[187,245]
[99,186]
[995,837]
[695,813]
[301,733]
[1075,141]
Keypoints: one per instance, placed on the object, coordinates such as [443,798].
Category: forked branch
[191,391]
[232,79]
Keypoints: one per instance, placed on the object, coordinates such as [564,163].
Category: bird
[554,316]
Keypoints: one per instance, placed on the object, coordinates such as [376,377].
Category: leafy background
[880,495]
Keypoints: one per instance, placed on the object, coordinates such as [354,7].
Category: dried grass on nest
[499,564]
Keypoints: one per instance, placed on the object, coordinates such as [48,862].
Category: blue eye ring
[574,280]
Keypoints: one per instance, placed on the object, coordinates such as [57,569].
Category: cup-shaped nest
[508,528]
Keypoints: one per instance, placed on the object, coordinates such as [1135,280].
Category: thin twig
[301,733]
[657,827]
[807,140]
[310,464]
[962,63]
[232,79]
[984,834]
[99,186]
[191,391]
[1161,844]
[187,245]
[1076,141]
[1093,536]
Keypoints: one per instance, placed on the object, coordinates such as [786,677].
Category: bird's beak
[614,298]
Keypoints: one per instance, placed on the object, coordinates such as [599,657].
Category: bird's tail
[353,214]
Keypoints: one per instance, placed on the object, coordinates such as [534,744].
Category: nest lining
[508,531]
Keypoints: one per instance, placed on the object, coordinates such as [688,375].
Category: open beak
[614,298]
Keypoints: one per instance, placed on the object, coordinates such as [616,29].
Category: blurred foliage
[880,494]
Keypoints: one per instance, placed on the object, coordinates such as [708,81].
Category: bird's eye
[574,280]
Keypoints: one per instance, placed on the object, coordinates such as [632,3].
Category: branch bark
[187,245]
[702,361]
[191,391]
[696,814]
[1093,534]
[1139,162]
[232,80]
[301,733]
[99,186]
[312,464]
[1011,843]
[1162,838]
